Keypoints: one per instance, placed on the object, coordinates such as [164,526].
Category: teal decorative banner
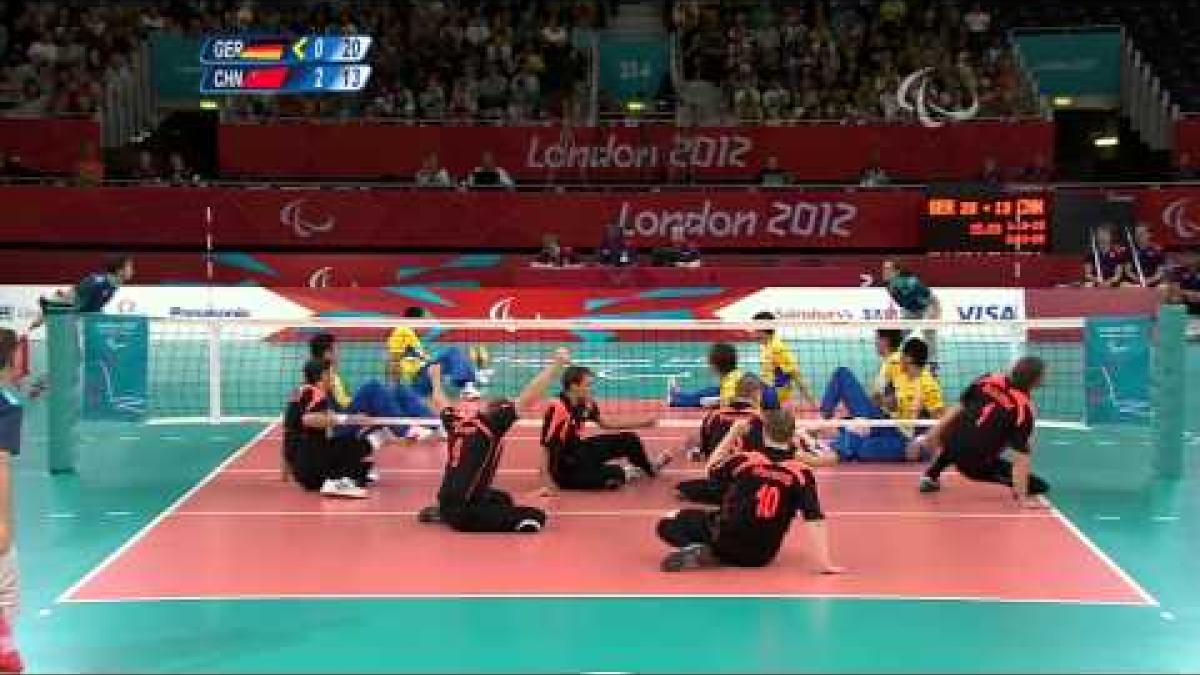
[1118,369]
[1073,63]
[175,69]
[115,376]
[632,68]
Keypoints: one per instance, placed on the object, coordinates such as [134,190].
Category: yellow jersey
[406,353]
[888,368]
[340,397]
[729,386]
[779,367]
[916,397]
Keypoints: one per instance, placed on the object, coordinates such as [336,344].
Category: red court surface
[243,533]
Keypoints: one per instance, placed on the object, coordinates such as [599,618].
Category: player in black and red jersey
[995,414]
[746,405]
[761,498]
[467,501]
[575,462]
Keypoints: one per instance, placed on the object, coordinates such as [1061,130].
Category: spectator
[615,250]
[464,98]
[526,92]
[554,255]
[681,252]
[1038,172]
[147,168]
[874,175]
[1185,287]
[432,100]
[1105,265]
[487,174]
[433,174]
[991,175]
[978,23]
[1147,261]
[493,93]
[178,172]
[89,170]
[773,176]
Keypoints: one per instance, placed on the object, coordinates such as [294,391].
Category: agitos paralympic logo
[1180,215]
[304,223]
[914,95]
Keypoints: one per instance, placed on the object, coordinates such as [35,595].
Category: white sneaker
[710,402]
[470,392]
[373,476]
[418,434]
[377,439]
[344,488]
[485,376]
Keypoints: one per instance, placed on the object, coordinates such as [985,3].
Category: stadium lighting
[1063,101]
[635,106]
[208,104]
[1106,141]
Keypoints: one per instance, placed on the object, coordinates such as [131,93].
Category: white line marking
[1099,552]
[1108,517]
[632,513]
[1168,616]
[60,515]
[130,438]
[118,513]
[583,596]
[45,612]
[140,534]
[170,437]
[822,474]
[1165,519]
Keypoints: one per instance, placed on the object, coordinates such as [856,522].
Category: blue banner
[1085,63]
[115,376]
[1117,369]
[632,68]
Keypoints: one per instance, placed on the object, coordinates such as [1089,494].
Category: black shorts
[313,461]
[699,526]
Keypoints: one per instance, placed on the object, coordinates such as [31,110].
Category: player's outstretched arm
[536,388]
[1020,478]
[935,437]
[814,452]
[437,394]
[627,422]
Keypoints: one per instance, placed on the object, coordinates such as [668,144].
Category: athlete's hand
[562,356]
[544,492]
[739,427]
[1034,504]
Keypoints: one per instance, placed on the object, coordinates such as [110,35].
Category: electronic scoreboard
[315,64]
[985,221]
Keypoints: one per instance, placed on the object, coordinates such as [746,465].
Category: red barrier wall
[1187,139]
[51,145]
[332,219]
[549,154]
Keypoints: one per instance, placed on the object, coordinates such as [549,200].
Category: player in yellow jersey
[780,370]
[722,360]
[912,393]
[409,363]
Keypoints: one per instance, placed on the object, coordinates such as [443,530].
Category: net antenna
[1137,261]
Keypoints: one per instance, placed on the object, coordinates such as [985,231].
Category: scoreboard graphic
[317,64]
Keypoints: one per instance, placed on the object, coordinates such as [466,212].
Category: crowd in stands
[500,61]
[55,58]
[845,59]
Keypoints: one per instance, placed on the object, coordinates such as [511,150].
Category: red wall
[48,145]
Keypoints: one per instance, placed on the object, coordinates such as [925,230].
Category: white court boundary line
[611,596]
[154,522]
[622,513]
[822,474]
[1104,557]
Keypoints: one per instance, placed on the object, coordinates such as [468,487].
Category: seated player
[914,394]
[467,501]
[995,414]
[760,501]
[1185,287]
[573,462]
[1105,264]
[746,405]
[409,362]
[372,398]
[1147,261]
[722,359]
[313,455]
[780,370]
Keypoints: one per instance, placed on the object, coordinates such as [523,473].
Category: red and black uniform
[760,500]
[1150,258]
[466,500]
[316,455]
[578,463]
[995,416]
[713,429]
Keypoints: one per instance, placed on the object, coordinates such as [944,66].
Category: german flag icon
[264,51]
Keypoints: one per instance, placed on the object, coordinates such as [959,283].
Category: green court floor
[128,474]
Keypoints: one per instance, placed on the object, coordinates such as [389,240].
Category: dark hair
[320,344]
[414,312]
[314,370]
[8,347]
[1027,373]
[116,263]
[574,375]
[766,316]
[779,425]
[891,336]
[917,350]
[748,386]
[723,358]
